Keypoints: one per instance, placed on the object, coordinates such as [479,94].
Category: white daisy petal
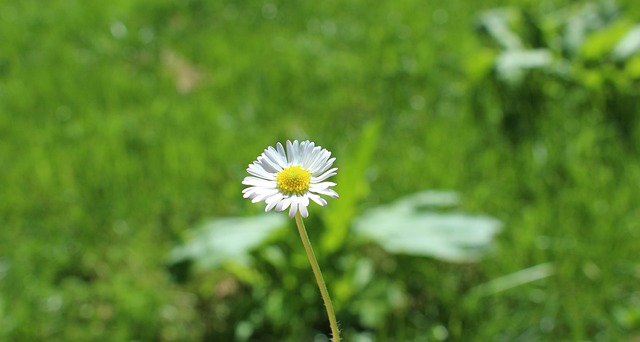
[321,201]
[302,152]
[303,210]
[272,201]
[275,158]
[275,198]
[320,186]
[268,165]
[306,153]
[321,162]
[283,204]
[327,192]
[296,153]
[294,208]
[259,182]
[314,155]
[289,152]
[325,175]
[260,196]
[263,194]
[282,153]
[316,160]
[326,165]
[258,171]
[248,192]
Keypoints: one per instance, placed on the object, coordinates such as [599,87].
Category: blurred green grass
[123,124]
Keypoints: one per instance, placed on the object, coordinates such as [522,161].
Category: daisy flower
[290,179]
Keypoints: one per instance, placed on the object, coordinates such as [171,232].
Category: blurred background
[489,169]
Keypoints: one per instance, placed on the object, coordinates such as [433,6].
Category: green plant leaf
[498,25]
[512,65]
[629,45]
[226,239]
[412,226]
[352,187]
[601,43]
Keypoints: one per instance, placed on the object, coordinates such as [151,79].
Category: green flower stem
[319,279]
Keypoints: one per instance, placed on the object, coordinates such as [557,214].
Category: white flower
[290,179]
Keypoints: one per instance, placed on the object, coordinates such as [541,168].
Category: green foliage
[124,124]
[371,295]
[536,55]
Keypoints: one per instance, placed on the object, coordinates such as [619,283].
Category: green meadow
[127,125]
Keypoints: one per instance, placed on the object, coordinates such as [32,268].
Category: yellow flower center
[293,180]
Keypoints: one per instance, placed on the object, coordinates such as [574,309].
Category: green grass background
[125,123]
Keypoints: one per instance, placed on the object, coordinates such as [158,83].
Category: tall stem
[319,279]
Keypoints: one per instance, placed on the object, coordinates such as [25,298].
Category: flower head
[290,179]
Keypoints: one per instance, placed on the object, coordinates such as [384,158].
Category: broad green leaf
[226,239]
[413,226]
